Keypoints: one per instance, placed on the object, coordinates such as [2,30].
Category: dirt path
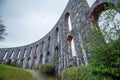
[35,75]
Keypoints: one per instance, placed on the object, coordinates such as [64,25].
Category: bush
[77,73]
[47,68]
[105,61]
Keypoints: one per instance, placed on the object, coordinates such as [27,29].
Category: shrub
[47,68]
[105,61]
[77,73]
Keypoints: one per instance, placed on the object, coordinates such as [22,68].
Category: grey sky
[27,21]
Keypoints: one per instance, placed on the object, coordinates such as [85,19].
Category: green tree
[2,30]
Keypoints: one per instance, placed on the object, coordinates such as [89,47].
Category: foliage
[13,73]
[47,68]
[78,73]
[2,30]
[105,61]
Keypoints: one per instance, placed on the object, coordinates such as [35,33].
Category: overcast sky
[27,21]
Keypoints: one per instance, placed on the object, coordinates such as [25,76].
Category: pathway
[35,75]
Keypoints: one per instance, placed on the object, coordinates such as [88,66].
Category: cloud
[29,20]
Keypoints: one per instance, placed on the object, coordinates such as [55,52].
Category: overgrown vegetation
[104,46]
[47,69]
[13,73]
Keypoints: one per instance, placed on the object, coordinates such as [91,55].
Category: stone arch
[28,63]
[36,49]
[34,61]
[6,53]
[19,52]
[25,52]
[69,49]
[31,50]
[68,21]
[9,57]
[15,63]
[48,57]
[41,59]
[4,57]
[42,48]
[49,39]
[8,62]
[56,58]
[98,18]
[57,34]
[56,53]
[22,62]
[12,60]
[70,46]
[12,55]
[31,57]
[98,10]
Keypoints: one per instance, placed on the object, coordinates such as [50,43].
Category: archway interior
[71,46]
[107,20]
[109,24]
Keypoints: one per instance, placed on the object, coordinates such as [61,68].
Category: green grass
[13,73]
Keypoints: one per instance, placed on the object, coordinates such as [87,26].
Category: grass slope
[13,73]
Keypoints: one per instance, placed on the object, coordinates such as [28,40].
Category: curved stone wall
[56,47]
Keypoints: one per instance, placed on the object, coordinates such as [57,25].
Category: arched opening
[19,52]
[56,54]
[34,62]
[16,63]
[71,46]
[109,26]
[36,49]
[22,63]
[8,62]
[56,58]
[49,38]
[106,18]
[28,63]
[11,57]
[57,35]
[48,57]
[97,11]
[25,53]
[31,51]
[68,21]
[6,53]
[41,58]
[42,49]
